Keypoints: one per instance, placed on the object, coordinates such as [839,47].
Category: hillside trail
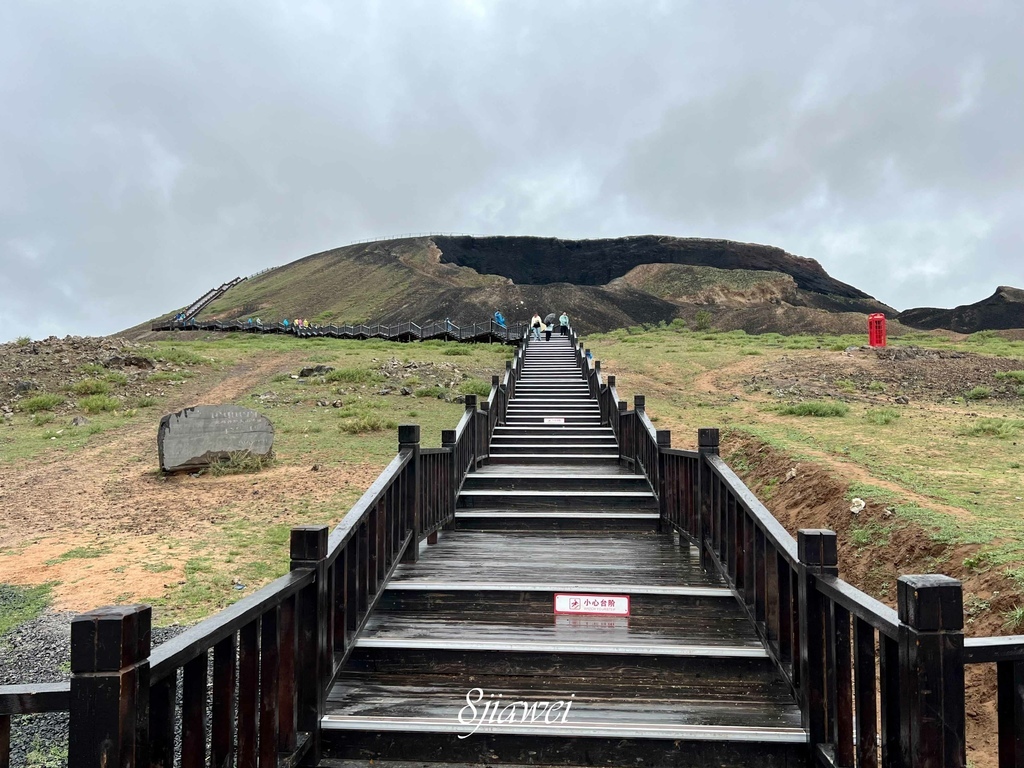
[110,502]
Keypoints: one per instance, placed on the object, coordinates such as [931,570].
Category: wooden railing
[487,331]
[876,686]
[274,654]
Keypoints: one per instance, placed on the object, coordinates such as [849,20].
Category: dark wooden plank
[269,681]
[457,628]
[286,690]
[248,693]
[865,687]
[889,700]
[1010,705]
[222,740]
[843,656]
[33,698]
[162,696]
[784,580]
[442,701]
[985,650]
[352,569]
[5,741]
[193,712]
[170,656]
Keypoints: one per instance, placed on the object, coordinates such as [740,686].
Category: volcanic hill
[602,284]
[1003,310]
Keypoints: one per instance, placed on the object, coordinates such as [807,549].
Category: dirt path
[109,501]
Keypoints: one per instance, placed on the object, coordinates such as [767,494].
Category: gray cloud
[149,153]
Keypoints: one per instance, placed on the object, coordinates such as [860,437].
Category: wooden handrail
[202,637]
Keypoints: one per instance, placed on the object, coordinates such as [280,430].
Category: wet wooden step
[523,520]
[563,482]
[528,499]
[648,563]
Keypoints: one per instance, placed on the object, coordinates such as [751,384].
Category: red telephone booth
[876,330]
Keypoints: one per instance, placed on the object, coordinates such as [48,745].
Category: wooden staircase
[682,681]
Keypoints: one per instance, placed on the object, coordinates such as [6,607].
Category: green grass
[146,401]
[46,401]
[367,422]
[458,350]
[978,393]
[847,385]
[90,387]
[178,356]
[21,604]
[159,376]
[23,341]
[1003,429]
[99,403]
[816,408]
[434,391]
[475,387]
[42,418]
[881,416]
[240,463]
[1017,376]
[1014,618]
[116,377]
[871,534]
[876,386]
[353,376]
[79,553]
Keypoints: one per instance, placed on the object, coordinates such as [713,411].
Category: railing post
[639,403]
[409,438]
[1010,708]
[620,438]
[931,611]
[314,657]
[707,445]
[664,438]
[484,431]
[471,407]
[109,712]
[816,550]
[448,442]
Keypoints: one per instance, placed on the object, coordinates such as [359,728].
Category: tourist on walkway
[499,318]
[563,324]
[535,324]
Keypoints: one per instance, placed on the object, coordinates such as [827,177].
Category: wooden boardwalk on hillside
[555,512]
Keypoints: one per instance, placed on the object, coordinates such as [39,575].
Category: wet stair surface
[466,641]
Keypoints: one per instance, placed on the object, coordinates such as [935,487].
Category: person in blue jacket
[499,318]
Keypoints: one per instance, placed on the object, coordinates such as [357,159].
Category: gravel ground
[39,651]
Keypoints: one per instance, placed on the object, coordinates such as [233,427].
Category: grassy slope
[932,450]
[247,541]
[677,281]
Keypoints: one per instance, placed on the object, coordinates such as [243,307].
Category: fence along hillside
[874,686]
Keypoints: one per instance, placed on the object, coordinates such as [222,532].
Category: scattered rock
[405,391]
[858,506]
[197,437]
[130,361]
[315,468]
[902,400]
[337,404]
[386,391]
[790,475]
[317,370]
[25,386]
[322,403]
[79,421]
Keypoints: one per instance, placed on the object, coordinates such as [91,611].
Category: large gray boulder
[199,436]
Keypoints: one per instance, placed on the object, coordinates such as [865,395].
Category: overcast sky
[151,150]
